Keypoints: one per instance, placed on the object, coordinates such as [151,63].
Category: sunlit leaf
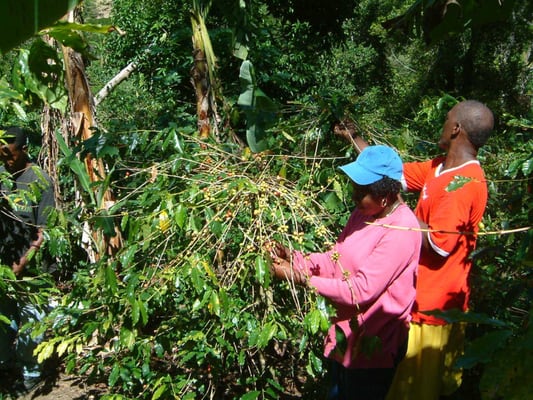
[457,183]
[127,337]
[164,222]
[180,215]
[62,347]
[314,365]
[261,270]
[45,351]
[251,395]
[111,278]
[313,320]
[135,312]
[114,375]
[159,391]
[75,165]
[214,303]
[268,332]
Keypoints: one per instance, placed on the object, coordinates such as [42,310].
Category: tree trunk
[203,74]
[200,81]
[117,79]
[82,118]
[49,155]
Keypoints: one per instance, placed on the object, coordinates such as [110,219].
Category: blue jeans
[17,345]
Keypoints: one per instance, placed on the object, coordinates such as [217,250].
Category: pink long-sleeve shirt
[370,273]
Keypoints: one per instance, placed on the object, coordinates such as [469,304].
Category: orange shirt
[450,201]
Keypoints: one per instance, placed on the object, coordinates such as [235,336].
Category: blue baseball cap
[374,163]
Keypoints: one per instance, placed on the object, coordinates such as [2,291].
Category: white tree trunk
[109,86]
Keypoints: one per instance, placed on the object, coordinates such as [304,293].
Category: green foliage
[35,79]
[442,19]
[259,110]
[70,35]
[36,75]
[24,18]
[509,369]
[187,308]
[190,293]
[157,37]
[502,275]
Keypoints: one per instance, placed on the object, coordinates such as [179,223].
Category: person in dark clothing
[26,193]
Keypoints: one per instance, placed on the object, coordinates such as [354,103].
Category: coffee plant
[188,308]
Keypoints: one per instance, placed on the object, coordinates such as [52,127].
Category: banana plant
[203,71]
[259,109]
[22,19]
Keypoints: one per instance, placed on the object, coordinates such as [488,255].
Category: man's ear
[456,129]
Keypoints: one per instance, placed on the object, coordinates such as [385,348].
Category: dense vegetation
[185,307]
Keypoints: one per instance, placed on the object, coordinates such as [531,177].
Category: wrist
[305,280]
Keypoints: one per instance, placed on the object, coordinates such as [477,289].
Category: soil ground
[56,385]
[63,388]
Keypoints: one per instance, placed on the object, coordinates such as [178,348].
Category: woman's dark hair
[385,187]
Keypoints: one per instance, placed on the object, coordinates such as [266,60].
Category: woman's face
[365,202]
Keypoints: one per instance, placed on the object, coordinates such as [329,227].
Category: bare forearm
[359,143]
[425,236]
[348,131]
[18,267]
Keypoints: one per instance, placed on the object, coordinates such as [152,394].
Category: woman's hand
[281,263]
[277,251]
[282,269]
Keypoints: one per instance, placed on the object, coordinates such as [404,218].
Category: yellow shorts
[427,370]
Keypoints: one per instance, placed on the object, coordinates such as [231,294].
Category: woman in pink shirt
[369,276]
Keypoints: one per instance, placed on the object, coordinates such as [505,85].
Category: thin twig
[405,228]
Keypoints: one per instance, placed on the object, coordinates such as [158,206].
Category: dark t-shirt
[19,224]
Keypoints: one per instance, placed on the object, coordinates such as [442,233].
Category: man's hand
[346,129]
[18,267]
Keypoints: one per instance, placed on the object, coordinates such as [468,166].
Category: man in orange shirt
[453,196]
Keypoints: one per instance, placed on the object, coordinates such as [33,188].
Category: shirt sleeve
[371,278]
[415,173]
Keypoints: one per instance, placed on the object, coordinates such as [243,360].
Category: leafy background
[186,308]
